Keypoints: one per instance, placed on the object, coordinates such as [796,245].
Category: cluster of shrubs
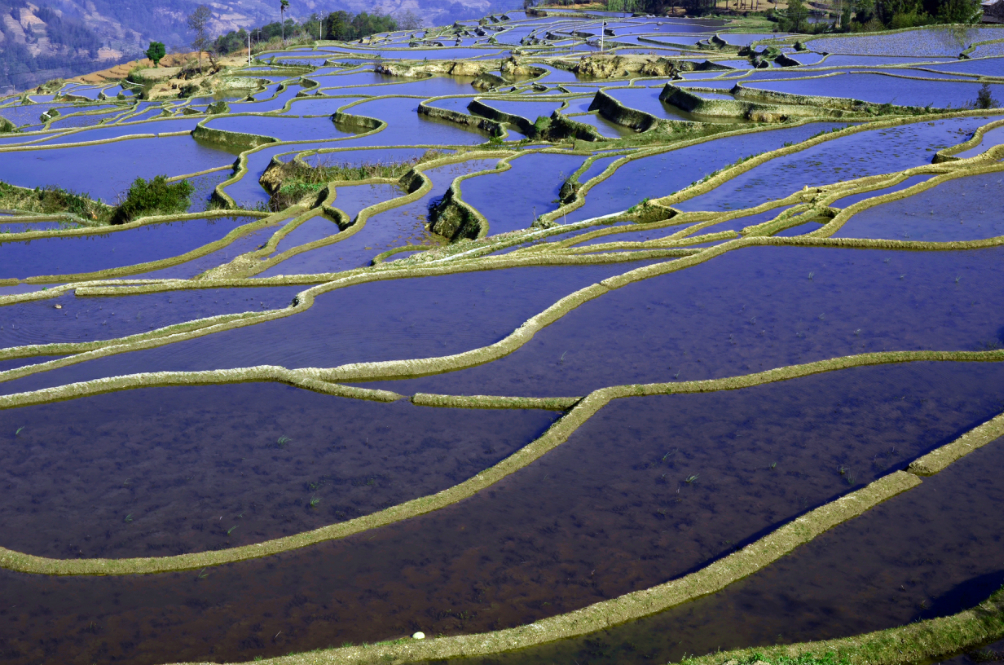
[145,197]
[149,196]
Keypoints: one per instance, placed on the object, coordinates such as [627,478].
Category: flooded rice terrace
[498,344]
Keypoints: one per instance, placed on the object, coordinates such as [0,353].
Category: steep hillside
[46,39]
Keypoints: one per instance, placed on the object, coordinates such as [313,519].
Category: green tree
[198,22]
[339,26]
[959,11]
[796,15]
[283,6]
[156,53]
[845,15]
[985,98]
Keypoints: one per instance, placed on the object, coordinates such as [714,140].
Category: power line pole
[603,30]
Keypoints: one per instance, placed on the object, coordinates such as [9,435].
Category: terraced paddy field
[487,346]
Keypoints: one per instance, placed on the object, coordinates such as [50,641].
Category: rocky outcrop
[616,66]
[424,70]
[513,68]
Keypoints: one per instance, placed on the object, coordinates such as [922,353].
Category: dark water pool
[504,557]
[748,311]
[163,471]
[423,317]
[931,552]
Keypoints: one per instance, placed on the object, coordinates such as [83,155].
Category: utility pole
[249,48]
[603,30]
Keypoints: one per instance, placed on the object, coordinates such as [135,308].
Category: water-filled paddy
[660,175]
[405,125]
[84,319]
[924,216]
[420,318]
[645,490]
[605,127]
[748,311]
[177,460]
[934,41]
[918,569]
[860,154]
[538,562]
[281,128]
[880,89]
[122,162]
[90,253]
[515,198]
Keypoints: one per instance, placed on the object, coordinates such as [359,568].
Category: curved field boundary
[924,641]
[966,170]
[557,434]
[948,154]
[139,268]
[415,182]
[749,164]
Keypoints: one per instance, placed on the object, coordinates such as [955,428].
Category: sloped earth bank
[550,354]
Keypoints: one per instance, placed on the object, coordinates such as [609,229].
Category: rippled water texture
[375,261]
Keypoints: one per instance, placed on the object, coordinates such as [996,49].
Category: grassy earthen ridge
[745,106]
[965,169]
[554,436]
[309,379]
[139,268]
[229,138]
[749,164]
[939,459]
[948,154]
[921,642]
[628,607]
[487,125]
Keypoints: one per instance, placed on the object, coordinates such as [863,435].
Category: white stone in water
[419,635]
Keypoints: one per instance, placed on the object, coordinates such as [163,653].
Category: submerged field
[556,355]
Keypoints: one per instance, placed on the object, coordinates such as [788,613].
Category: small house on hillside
[993,11]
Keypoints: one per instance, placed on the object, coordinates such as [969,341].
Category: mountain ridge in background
[42,40]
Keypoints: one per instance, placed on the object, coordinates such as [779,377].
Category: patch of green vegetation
[147,197]
[51,200]
[541,125]
[290,182]
[50,87]
[802,659]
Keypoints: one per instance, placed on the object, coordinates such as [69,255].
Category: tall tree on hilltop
[198,22]
[156,53]
[283,6]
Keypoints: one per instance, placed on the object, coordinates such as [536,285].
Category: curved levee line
[407,368]
[733,171]
[925,641]
[557,434]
